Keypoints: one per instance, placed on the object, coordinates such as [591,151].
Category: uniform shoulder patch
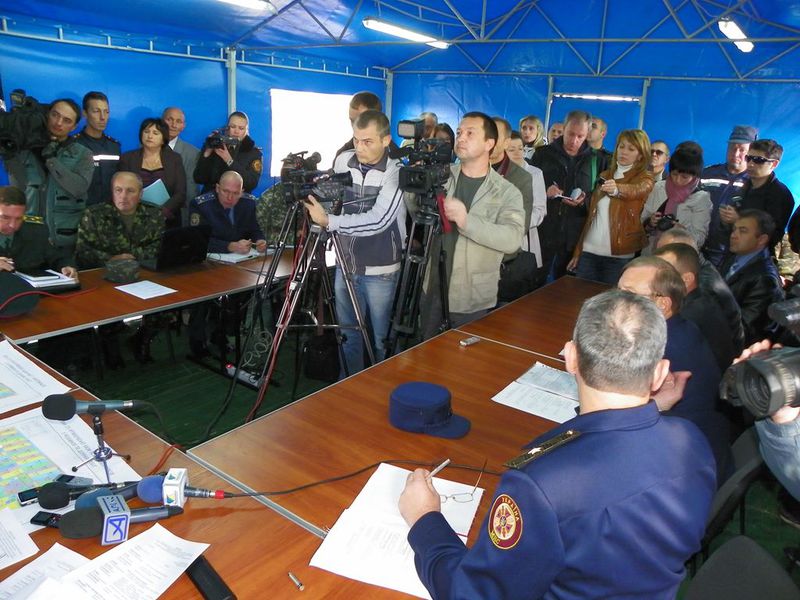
[256,165]
[505,522]
[544,448]
[34,219]
[194,219]
[203,198]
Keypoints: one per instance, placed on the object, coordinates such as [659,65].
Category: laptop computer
[180,246]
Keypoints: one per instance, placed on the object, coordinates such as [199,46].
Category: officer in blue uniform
[609,504]
[105,149]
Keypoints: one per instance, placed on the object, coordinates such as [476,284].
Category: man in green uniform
[24,245]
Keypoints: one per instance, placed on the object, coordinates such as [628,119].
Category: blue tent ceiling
[586,38]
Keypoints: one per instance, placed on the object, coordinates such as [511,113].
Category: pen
[439,468]
[298,584]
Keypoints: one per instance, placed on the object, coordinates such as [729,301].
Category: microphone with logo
[62,407]
[172,489]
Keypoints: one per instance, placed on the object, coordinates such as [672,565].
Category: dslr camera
[301,178]
[666,222]
[426,166]
[24,127]
[218,139]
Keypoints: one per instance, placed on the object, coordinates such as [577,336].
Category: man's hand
[554,191]
[6,264]
[456,212]
[573,264]
[125,256]
[224,154]
[671,391]
[70,272]
[261,245]
[655,218]
[316,212]
[728,214]
[419,498]
[240,247]
[576,202]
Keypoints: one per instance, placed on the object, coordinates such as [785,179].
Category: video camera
[301,178]
[24,127]
[769,380]
[428,164]
[218,139]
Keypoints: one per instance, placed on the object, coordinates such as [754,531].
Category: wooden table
[345,427]
[541,322]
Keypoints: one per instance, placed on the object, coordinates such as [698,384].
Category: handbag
[518,276]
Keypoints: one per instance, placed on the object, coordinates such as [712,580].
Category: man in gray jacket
[487,221]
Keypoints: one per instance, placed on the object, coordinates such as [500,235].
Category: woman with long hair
[613,232]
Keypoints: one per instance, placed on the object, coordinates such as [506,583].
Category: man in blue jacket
[609,504]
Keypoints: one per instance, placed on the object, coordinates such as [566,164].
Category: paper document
[233,257]
[47,279]
[369,540]
[15,544]
[145,289]
[141,568]
[22,381]
[35,450]
[543,391]
[54,564]
[155,193]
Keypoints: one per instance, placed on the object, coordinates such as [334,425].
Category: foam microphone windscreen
[54,495]
[150,488]
[82,523]
[89,499]
[59,407]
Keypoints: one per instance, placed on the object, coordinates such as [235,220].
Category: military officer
[125,229]
[231,214]
[245,158]
[105,149]
[609,504]
[24,245]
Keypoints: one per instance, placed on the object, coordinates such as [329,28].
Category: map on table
[22,466]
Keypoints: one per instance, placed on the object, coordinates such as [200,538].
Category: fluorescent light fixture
[254,5]
[402,32]
[733,32]
[605,97]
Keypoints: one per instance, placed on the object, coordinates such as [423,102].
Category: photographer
[231,149]
[372,234]
[56,178]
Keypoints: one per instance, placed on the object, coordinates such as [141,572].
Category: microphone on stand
[62,407]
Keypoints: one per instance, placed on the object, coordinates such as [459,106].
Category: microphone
[90,499]
[84,523]
[173,490]
[62,407]
[57,495]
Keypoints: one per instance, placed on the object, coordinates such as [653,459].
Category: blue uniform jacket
[615,512]
[206,210]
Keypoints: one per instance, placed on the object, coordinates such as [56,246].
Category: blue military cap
[421,407]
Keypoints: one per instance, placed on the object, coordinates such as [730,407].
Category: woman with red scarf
[678,198]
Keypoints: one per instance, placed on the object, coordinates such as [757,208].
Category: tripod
[415,267]
[102,453]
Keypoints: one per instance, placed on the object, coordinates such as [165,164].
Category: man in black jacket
[244,158]
[751,274]
[570,170]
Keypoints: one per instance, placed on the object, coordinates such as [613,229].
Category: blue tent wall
[140,85]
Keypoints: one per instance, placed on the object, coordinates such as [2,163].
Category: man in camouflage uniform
[125,229]
[24,245]
[271,210]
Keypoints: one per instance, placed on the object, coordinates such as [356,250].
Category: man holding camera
[230,150]
[372,234]
[56,178]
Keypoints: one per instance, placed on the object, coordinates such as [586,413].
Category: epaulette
[542,449]
[108,137]
[34,219]
[203,198]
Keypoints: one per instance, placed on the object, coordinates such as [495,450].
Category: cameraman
[219,156]
[372,234]
[56,178]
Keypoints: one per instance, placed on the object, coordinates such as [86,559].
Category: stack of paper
[369,540]
[47,279]
[542,391]
[232,257]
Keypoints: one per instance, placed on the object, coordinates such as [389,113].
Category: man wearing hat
[24,243]
[609,504]
[724,181]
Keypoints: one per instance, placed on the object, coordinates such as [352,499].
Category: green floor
[189,395]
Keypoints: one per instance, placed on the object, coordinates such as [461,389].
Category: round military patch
[505,523]
[256,164]
[194,219]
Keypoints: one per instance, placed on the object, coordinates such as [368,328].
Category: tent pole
[548,104]
[389,92]
[643,102]
[230,64]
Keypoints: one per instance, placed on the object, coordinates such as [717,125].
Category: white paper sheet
[35,450]
[233,257]
[543,391]
[145,289]
[22,381]
[54,564]
[50,588]
[369,540]
[15,544]
[143,567]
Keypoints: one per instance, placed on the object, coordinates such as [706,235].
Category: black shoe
[139,344]
[198,350]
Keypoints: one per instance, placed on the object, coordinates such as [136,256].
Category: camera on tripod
[24,127]
[769,380]
[218,139]
[301,178]
[428,167]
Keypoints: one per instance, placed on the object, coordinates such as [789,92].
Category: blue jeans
[606,269]
[375,295]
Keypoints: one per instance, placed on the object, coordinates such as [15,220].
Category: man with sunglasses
[724,181]
[659,157]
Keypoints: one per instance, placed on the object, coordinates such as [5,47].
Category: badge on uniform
[256,164]
[194,219]
[505,522]
[33,219]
